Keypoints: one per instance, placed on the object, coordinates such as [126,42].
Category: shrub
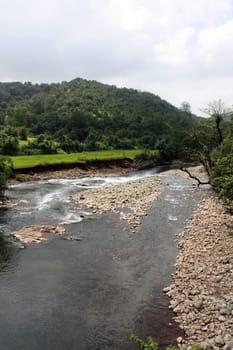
[147,155]
[5,172]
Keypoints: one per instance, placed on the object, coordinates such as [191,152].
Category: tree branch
[195,177]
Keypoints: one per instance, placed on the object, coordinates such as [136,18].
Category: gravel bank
[202,289]
[198,171]
[131,200]
[37,233]
[77,172]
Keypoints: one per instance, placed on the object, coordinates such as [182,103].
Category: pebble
[219,340]
[222,318]
[198,304]
[202,286]
[136,196]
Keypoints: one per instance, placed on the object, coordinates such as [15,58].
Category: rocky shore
[202,289]
[197,171]
[99,169]
[37,233]
[131,200]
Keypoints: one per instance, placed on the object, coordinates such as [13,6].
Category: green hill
[88,115]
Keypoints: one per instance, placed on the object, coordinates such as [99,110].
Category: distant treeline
[83,115]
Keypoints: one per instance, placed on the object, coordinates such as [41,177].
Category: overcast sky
[181,50]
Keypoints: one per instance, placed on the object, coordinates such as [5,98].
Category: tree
[10,146]
[185,107]
[222,170]
[212,145]
[23,134]
[217,110]
[5,172]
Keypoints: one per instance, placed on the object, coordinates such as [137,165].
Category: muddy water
[93,293]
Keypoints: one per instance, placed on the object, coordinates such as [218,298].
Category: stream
[93,293]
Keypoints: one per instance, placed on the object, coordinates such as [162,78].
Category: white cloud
[215,47]
[173,48]
[176,50]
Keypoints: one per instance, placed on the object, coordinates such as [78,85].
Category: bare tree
[217,110]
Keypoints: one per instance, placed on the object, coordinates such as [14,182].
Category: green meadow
[21,162]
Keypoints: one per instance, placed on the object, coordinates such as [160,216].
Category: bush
[149,344]
[224,186]
[5,172]
[147,155]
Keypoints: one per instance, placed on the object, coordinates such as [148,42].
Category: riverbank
[202,289]
[64,171]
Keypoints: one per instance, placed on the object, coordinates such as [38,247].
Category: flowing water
[93,293]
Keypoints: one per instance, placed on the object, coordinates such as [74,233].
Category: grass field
[21,162]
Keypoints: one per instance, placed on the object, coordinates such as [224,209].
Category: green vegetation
[83,115]
[222,165]
[20,162]
[27,142]
[149,344]
[59,120]
[211,143]
[5,172]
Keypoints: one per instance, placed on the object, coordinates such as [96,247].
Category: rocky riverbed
[131,199]
[202,289]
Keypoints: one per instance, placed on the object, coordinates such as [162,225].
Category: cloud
[176,50]
[215,51]
[164,46]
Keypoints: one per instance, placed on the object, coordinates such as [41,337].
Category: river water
[93,293]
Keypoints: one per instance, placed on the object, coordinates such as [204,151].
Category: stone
[198,304]
[228,338]
[230,344]
[204,345]
[177,309]
[194,292]
[223,311]
[179,340]
[219,340]
[222,318]
[218,279]
[227,347]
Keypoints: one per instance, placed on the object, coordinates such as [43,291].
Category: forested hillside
[87,115]
[83,115]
